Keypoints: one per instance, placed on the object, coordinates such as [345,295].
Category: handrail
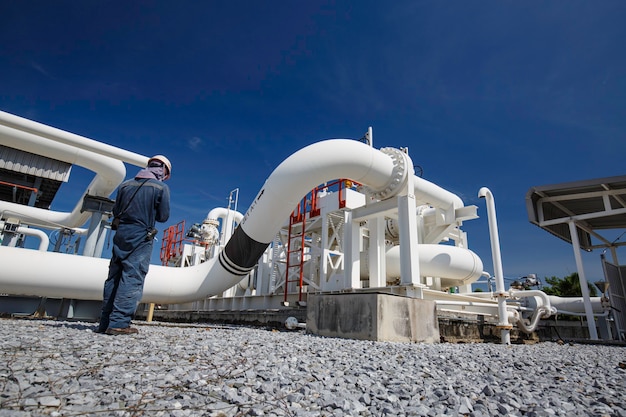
[33,189]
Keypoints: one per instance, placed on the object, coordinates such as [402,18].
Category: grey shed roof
[30,164]
[596,206]
[24,175]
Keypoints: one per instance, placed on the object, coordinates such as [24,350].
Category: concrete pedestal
[372,316]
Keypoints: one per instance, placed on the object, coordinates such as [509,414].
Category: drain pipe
[538,314]
[503,323]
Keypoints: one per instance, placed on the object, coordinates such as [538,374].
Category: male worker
[140,202]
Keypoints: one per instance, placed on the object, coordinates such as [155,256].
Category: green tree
[567,287]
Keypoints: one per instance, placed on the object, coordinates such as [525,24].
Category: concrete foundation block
[372,316]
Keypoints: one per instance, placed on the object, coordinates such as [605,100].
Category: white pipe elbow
[44,240]
[223,213]
[545,299]
[484,192]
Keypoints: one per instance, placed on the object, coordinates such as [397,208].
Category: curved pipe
[529,328]
[227,217]
[109,174]
[545,300]
[306,169]
[223,214]
[290,181]
[44,240]
[61,275]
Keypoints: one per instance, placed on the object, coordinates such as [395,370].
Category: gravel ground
[64,369]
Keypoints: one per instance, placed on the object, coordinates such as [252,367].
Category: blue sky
[503,94]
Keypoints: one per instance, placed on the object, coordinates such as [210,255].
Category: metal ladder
[294,268]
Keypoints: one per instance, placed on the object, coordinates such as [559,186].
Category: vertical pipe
[503,322]
[591,322]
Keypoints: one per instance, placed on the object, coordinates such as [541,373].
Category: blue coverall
[132,249]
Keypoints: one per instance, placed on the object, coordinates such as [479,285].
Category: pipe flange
[212,222]
[398,176]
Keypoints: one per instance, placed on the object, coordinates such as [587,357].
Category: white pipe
[44,240]
[109,174]
[545,299]
[575,304]
[28,272]
[223,213]
[540,312]
[544,309]
[454,265]
[61,275]
[227,216]
[428,193]
[503,322]
[306,169]
[71,139]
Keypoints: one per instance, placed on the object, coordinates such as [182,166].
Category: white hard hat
[165,161]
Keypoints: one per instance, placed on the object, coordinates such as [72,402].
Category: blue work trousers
[123,288]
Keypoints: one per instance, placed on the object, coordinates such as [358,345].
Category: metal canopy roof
[595,206]
[30,179]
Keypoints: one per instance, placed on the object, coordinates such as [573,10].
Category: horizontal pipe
[71,139]
[428,193]
[454,265]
